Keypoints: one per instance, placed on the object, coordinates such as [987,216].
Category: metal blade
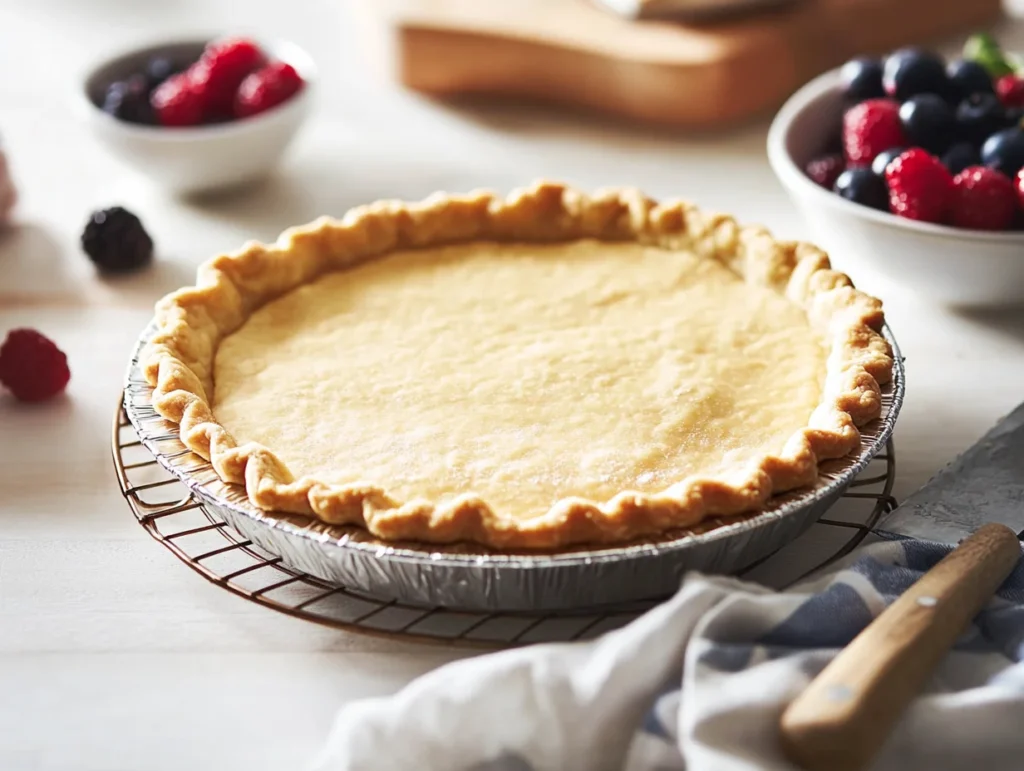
[985,484]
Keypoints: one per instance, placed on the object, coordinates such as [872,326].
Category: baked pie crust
[535,371]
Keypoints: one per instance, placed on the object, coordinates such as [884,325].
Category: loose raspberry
[920,187]
[221,70]
[1010,90]
[983,199]
[176,102]
[267,88]
[870,128]
[32,366]
[826,169]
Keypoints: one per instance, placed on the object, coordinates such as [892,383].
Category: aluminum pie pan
[468,576]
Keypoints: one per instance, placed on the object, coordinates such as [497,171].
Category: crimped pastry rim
[178,360]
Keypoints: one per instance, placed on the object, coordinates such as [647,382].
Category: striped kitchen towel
[698,683]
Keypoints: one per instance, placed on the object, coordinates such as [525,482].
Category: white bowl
[952,265]
[199,158]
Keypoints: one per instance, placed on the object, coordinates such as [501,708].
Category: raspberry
[116,241]
[870,128]
[176,102]
[1010,89]
[266,88]
[920,187]
[221,70]
[983,199]
[825,169]
[1019,185]
[32,366]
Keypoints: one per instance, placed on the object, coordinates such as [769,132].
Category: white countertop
[115,656]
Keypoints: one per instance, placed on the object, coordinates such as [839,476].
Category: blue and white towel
[698,683]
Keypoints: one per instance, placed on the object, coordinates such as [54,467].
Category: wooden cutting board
[688,75]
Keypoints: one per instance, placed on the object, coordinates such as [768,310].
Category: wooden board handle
[845,715]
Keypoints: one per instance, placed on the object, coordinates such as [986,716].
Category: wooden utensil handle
[842,719]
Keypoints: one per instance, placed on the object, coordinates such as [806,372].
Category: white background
[112,654]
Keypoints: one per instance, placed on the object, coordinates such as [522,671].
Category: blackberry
[968,78]
[158,69]
[128,100]
[862,79]
[863,186]
[979,117]
[928,122]
[909,72]
[884,158]
[959,156]
[115,240]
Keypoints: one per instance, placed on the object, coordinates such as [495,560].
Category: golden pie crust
[535,371]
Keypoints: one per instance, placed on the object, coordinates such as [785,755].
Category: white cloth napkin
[698,683]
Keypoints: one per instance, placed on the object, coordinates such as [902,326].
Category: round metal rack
[207,544]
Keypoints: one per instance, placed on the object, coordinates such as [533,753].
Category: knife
[842,719]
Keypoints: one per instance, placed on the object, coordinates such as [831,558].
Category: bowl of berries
[913,167]
[200,115]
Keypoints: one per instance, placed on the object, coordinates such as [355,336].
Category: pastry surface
[533,371]
[522,373]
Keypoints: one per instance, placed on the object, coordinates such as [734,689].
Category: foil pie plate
[469,577]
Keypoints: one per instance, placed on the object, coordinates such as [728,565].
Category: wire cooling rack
[205,542]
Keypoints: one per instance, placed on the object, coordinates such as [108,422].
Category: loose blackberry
[116,241]
[128,100]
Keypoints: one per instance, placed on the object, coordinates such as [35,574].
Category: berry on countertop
[968,78]
[825,169]
[862,79]
[267,88]
[1010,89]
[928,122]
[177,103]
[1004,151]
[158,69]
[220,71]
[863,186]
[978,117]
[869,128]
[116,241]
[920,187]
[32,367]
[983,199]
[128,100]
[959,156]
[884,158]
[909,72]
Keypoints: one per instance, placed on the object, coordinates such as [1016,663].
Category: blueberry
[863,186]
[1015,117]
[968,78]
[928,122]
[884,158]
[980,116]
[128,100]
[909,72]
[1004,151]
[862,79]
[158,69]
[960,156]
